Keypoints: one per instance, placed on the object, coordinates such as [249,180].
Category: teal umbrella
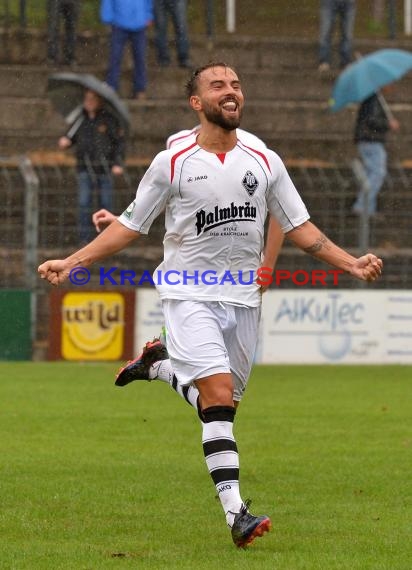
[367,75]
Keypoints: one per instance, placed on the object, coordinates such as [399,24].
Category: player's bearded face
[227,113]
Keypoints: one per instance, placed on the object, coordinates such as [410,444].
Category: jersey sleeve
[180,137]
[152,195]
[248,139]
[283,200]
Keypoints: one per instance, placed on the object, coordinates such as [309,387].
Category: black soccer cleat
[138,369]
[246,527]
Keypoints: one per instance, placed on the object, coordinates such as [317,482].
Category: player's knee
[217,391]
[222,397]
[219,414]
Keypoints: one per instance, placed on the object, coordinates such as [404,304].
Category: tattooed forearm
[320,243]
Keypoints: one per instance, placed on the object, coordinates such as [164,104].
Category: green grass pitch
[94,477]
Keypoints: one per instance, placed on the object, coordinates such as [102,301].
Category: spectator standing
[67,10]
[378,15]
[129,20]
[99,142]
[177,10]
[372,126]
[329,11]
[392,19]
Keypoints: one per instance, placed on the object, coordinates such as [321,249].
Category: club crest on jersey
[129,210]
[250,183]
[218,216]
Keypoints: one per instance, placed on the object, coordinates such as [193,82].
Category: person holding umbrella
[367,81]
[99,140]
[373,123]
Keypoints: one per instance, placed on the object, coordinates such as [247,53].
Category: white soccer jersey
[187,137]
[216,206]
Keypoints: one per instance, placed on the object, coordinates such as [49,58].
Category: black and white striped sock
[222,459]
[189,393]
[163,371]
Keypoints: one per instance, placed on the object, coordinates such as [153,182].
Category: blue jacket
[127,14]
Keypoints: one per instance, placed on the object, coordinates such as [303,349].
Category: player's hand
[56,271]
[367,268]
[102,218]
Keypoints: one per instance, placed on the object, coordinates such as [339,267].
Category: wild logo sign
[92,326]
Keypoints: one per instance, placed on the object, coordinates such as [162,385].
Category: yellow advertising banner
[91,325]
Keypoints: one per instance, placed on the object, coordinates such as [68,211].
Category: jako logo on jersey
[218,216]
[224,488]
[250,183]
[196,178]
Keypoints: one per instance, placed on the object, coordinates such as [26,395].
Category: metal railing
[43,200]
[40,222]
[19,191]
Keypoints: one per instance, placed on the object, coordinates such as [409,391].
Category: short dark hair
[192,83]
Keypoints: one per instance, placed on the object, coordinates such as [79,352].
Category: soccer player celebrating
[216,192]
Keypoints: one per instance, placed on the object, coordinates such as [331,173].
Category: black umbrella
[66,92]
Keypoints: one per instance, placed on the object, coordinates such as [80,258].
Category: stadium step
[288,109]
[295,129]
[252,51]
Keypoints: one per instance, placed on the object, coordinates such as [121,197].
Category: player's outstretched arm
[115,238]
[310,239]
